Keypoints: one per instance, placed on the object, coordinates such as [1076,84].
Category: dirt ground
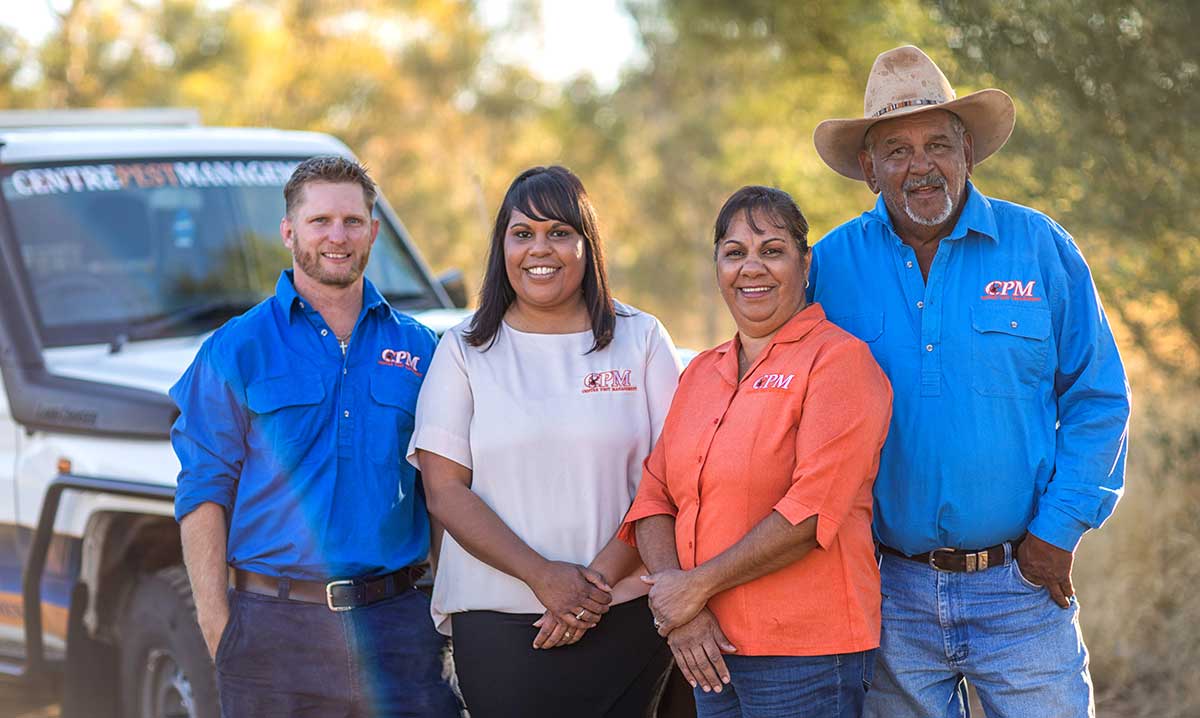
[20,702]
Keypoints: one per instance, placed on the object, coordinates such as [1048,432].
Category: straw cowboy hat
[904,81]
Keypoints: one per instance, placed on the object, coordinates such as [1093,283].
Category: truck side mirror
[456,288]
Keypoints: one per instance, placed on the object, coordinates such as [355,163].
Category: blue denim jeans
[1022,652]
[285,658]
[790,687]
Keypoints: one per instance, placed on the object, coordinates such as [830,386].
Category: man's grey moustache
[924,182]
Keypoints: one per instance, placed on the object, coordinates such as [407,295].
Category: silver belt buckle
[329,594]
[933,555]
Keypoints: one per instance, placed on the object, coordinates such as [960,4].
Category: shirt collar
[793,330]
[976,216]
[286,295]
[372,299]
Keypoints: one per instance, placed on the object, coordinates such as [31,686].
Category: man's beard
[310,264]
[928,181]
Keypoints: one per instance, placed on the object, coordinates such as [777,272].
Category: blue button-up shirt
[304,446]
[1011,406]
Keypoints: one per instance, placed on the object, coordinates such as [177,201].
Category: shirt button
[344,372]
[716,421]
[346,413]
[324,332]
[1014,325]
[699,459]
[302,305]
[908,264]
[928,347]
[920,305]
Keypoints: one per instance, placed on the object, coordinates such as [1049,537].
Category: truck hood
[157,364]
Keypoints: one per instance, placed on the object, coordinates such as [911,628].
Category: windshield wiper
[156,325]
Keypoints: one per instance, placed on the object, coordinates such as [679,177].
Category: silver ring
[567,634]
[579,616]
[657,624]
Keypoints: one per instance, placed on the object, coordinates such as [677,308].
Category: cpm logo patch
[400,358]
[1010,289]
[773,382]
[611,380]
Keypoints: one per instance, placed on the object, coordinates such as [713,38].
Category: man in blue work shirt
[1011,408]
[300,519]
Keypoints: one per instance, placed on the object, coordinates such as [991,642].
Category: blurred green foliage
[728,95]
[1110,93]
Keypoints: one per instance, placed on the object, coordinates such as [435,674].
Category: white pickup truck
[125,239]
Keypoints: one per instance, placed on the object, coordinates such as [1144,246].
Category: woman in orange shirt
[754,511]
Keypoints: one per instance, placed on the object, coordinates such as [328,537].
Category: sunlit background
[557,41]
[665,107]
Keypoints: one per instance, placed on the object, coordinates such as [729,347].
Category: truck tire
[166,671]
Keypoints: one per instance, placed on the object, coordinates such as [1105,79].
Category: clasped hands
[678,600]
[575,598]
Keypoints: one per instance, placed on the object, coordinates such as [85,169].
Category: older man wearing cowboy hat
[1011,408]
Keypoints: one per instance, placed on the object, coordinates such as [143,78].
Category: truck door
[11,559]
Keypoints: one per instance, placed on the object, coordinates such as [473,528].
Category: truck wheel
[165,668]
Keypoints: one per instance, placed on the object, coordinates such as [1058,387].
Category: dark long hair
[542,193]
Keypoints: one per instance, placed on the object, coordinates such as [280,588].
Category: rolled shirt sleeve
[208,436]
[1093,411]
[843,424]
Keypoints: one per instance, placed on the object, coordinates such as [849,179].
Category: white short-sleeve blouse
[554,436]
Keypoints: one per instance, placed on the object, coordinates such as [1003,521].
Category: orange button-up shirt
[799,434]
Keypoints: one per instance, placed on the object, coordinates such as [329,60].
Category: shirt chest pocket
[1009,345]
[287,415]
[390,410]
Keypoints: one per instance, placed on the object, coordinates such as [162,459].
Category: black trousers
[615,671]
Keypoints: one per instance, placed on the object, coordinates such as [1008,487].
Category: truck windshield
[142,249]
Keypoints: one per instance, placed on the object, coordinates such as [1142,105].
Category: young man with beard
[1010,417]
[300,520]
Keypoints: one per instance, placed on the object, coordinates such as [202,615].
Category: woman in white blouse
[531,429]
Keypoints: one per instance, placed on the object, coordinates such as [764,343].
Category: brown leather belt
[339,595]
[960,560]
